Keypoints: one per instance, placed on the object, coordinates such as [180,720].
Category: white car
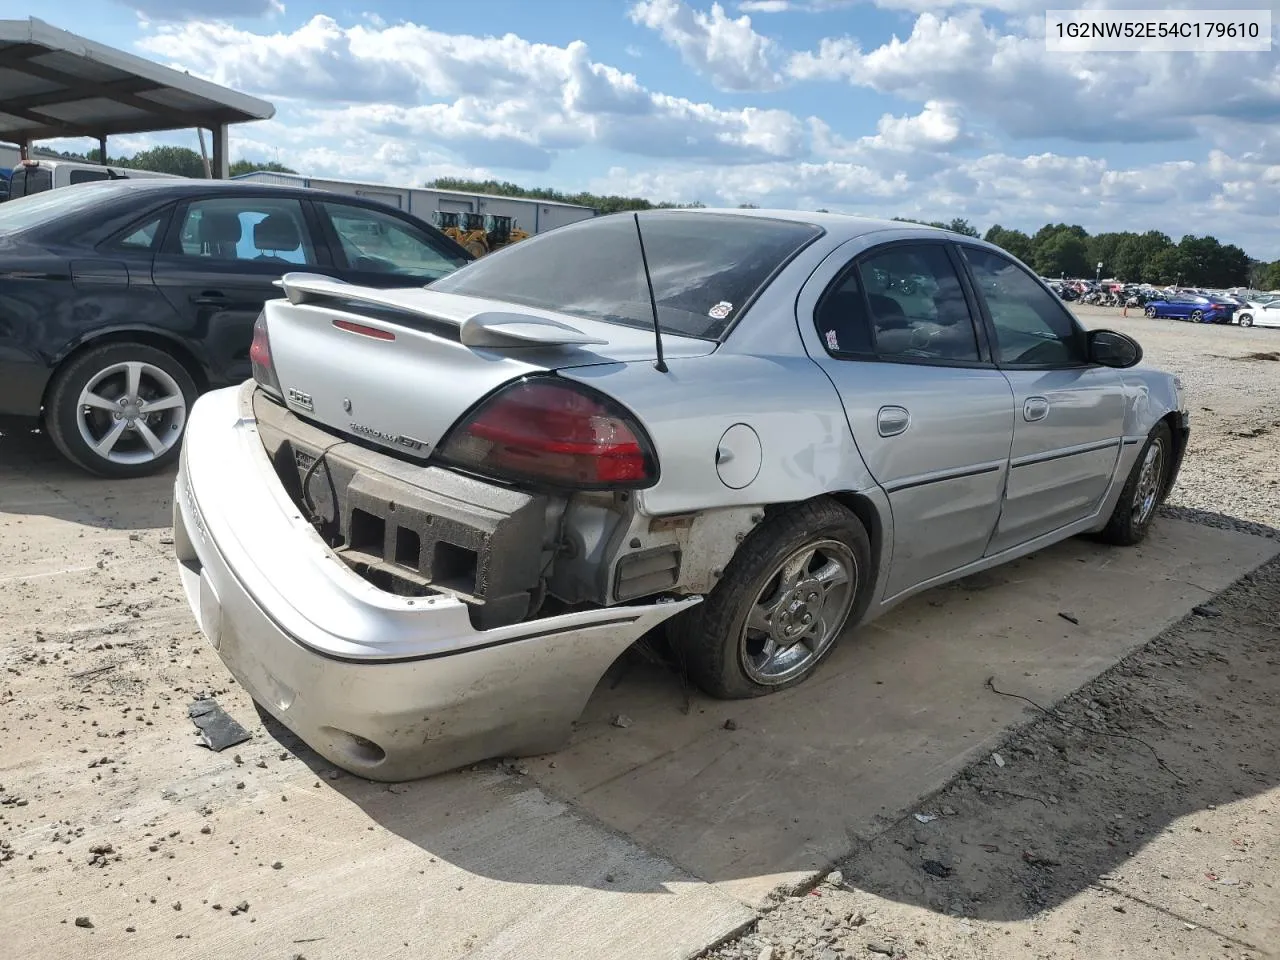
[1262,313]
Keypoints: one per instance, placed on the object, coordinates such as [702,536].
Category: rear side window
[88,176]
[705,269]
[267,230]
[904,303]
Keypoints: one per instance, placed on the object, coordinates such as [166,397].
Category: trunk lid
[398,368]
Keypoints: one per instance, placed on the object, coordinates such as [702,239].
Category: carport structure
[56,84]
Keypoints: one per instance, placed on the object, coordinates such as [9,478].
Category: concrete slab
[897,711]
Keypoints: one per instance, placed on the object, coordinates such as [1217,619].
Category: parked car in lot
[433,519]
[1193,307]
[1263,312]
[121,301]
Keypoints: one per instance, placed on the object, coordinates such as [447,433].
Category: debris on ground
[218,730]
[621,720]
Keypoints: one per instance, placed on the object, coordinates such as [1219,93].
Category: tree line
[180,161]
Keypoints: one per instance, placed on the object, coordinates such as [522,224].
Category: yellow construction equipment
[480,234]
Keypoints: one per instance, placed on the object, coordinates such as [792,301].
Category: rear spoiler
[489,328]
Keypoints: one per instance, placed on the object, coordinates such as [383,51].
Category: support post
[221,163]
[102,149]
[24,150]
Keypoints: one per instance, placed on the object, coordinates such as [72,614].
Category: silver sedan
[425,529]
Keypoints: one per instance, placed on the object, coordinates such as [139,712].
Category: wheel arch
[150,338]
[869,515]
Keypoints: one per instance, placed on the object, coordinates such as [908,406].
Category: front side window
[904,303]
[705,269]
[1032,327]
[383,243]
[266,230]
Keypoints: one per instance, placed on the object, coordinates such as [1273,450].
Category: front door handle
[1035,408]
[891,421]
[211,298]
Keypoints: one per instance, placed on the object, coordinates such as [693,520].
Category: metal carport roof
[56,84]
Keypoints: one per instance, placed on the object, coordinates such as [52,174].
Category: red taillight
[545,430]
[264,369]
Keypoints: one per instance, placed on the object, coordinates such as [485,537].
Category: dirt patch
[1139,816]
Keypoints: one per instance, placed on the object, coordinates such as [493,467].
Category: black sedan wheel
[793,586]
[120,410]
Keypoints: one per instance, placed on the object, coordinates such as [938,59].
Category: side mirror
[1111,349]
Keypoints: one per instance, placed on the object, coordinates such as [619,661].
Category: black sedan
[121,301]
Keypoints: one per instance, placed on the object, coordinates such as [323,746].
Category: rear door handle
[211,298]
[892,420]
[1035,408]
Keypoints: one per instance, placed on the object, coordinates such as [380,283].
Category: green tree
[1061,252]
[1015,242]
[241,167]
[1168,266]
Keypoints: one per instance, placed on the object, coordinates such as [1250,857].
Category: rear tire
[786,596]
[120,410]
[1197,316]
[1143,492]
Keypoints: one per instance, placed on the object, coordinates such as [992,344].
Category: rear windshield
[38,208]
[705,267]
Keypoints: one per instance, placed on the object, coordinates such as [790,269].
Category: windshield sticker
[832,342]
[720,310]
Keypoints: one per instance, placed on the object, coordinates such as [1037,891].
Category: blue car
[1197,309]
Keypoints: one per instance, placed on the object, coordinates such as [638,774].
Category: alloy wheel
[131,413]
[799,612]
[1147,491]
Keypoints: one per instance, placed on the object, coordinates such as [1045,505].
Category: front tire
[1151,312]
[1246,320]
[1143,490]
[784,599]
[120,410]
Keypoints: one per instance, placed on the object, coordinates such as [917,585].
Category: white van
[40,174]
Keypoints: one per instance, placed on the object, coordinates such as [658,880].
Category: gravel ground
[1140,817]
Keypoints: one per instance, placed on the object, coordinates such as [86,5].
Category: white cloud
[725,49]
[498,101]
[1027,92]
[1234,198]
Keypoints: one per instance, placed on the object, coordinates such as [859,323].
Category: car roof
[841,226]
[182,185]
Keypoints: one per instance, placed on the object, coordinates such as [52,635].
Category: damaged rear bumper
[385,686]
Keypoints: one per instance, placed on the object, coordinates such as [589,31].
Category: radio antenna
[660,364]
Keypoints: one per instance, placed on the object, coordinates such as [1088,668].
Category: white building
[535,216]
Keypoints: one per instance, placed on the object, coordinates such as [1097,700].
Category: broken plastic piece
[217,729]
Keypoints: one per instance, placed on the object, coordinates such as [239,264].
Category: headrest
[276,231]
[219,226]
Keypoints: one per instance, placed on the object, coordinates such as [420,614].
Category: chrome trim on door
[1035,408]
[906,483]
[892,421]
[1064,452]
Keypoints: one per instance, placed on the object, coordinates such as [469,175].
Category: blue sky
[926,108]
